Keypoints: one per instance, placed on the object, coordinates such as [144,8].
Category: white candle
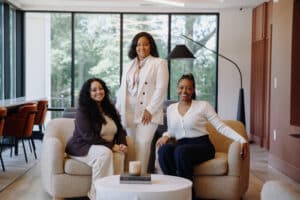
[135,168]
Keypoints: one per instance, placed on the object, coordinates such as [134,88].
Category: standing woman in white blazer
[141,94]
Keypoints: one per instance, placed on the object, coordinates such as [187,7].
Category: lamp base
[241,107]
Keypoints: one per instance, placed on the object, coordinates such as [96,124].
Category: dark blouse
[87,133]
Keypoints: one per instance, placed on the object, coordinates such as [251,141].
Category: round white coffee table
[162,187]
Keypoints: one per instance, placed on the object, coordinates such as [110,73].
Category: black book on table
[127,178]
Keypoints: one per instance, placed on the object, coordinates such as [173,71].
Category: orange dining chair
[40,117]
[3,112]
[19,125]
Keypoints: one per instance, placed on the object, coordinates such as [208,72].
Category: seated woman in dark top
[98,131]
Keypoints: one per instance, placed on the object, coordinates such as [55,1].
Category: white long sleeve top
[192,123]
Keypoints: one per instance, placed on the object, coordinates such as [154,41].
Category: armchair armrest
[130,153]
[52,159]
[234,159]
[239,167]
[119,162]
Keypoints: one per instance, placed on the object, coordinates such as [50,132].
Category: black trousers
[179,159]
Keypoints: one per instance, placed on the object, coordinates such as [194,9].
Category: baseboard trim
[284,167]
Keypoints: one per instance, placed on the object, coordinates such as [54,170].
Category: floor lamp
[181,51]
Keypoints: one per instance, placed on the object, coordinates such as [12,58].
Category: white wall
[37,55]
[234,42]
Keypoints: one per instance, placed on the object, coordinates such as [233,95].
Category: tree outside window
[60,60]
[155,24]
[201,28]
[97,49]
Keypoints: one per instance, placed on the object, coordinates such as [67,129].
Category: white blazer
[153,84]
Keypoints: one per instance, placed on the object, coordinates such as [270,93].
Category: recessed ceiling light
[171,3]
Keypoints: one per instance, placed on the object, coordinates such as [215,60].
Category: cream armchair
[63,177]
[227,175]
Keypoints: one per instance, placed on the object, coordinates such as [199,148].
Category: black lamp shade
[180,51]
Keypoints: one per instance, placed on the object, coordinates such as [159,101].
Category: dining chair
[19,125]
[42,106]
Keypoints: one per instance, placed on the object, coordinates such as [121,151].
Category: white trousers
[142,136]
[100,158]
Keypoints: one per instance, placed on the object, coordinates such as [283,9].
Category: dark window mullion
[6,51]
[20,54]
[217,63]
[121,46]
[169,50]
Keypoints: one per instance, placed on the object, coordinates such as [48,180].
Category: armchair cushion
[216,166]
[74,167]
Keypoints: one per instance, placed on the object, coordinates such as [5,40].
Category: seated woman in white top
[186,122]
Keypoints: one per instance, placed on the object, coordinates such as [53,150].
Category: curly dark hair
[91,107]
[153,49]
[190,77]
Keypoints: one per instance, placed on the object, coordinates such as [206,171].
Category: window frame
[121,43]
[13,66]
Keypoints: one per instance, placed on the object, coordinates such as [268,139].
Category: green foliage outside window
[60,60]
[97,50]
[201,28]
[156,25]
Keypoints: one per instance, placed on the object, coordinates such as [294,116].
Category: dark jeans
[179,159]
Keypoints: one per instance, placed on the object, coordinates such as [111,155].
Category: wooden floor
[29,186]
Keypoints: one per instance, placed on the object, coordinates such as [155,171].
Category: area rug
[15,166]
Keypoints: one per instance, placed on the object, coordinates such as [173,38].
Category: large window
[60,60]
[12,58]
[202,28]
[84,45]
[49,58]
[97,49]
[157,25]
[9,54]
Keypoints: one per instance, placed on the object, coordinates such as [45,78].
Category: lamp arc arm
[224,57]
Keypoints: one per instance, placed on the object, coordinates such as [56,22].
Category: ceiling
[132,5]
